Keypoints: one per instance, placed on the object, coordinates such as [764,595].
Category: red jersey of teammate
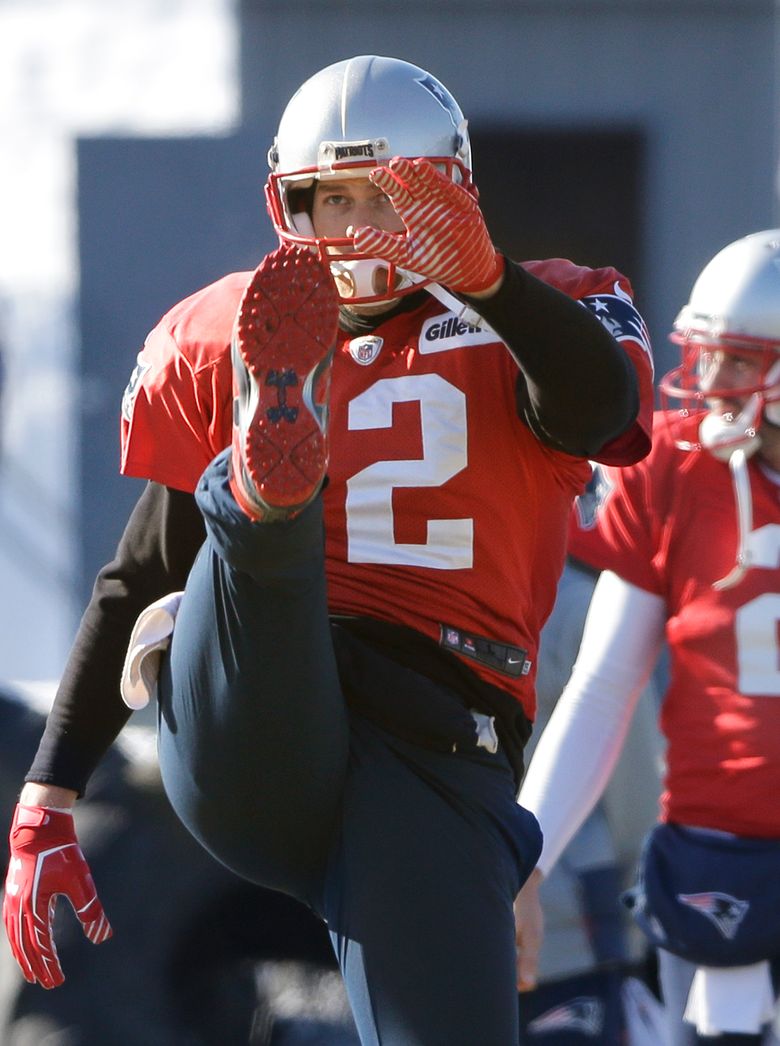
[443,512]
[669,526]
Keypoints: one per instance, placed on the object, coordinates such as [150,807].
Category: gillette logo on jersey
[441,333]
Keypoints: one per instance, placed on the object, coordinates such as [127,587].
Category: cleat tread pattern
[285,327]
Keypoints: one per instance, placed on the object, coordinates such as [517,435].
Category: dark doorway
[571,193]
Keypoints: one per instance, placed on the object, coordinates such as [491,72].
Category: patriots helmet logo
[724,911]
[442,96]
[584,1014]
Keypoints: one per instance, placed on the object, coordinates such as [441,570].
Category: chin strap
[740,479]
[464,312]
[721,434]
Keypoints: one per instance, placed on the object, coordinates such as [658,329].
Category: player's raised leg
[253,732]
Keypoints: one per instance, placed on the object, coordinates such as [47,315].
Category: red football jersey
[443,512]
[669,526]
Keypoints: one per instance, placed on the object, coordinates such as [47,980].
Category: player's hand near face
[446,239]
[45,863]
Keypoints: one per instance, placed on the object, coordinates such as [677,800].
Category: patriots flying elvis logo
[618,314]
[584,1014]
[724,911]
[591,501]
[133,387]
[442,96]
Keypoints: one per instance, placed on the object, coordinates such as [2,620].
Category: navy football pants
[413,856]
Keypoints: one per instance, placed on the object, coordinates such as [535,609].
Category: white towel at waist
[731,999]
[150,637]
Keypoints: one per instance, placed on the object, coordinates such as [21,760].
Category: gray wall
[695,80]
[698,77]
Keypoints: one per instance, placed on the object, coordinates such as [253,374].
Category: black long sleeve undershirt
[576,390]
[154,557]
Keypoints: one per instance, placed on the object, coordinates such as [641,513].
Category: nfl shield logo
[366,349]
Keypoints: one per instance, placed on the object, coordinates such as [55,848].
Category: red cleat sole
[285,330]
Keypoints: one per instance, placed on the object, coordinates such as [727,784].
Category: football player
[591,953]
[351,678]
[689,540]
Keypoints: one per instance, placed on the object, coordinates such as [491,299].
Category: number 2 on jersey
[757,623]
[449,543]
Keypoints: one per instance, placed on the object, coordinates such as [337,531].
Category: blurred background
[640,133]
[637,133]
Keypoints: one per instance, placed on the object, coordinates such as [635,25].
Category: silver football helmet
[344,120]
[734,306]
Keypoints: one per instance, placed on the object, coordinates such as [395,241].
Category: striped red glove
[446,238]
[46,862]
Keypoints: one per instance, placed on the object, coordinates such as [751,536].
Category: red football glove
[46,862]
[446,239]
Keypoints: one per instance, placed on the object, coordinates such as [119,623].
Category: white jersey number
[757,623]
[370,531]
